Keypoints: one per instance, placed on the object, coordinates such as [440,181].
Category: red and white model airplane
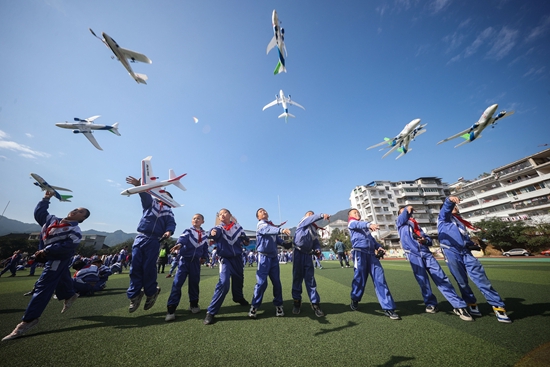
[151,184]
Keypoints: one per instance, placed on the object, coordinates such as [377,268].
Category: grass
[99,330]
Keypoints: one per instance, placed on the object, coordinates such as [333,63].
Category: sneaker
[354,305]
[21,329]
[296,307]
[317,309]
[209,319]
[392,315]
[474,310]
[169,276]
[150,301]
[252,312]
[170,317]
[242,301]
[194,308]
[29,293]
[69,302]
[500,313]
[279,311]
[463,314]
[135,302]
[432,309]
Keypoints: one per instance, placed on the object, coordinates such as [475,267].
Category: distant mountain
[8,226]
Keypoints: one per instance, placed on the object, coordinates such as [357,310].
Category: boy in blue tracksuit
[85,278]
[156,224]
[229,237]
[365,261]
[456,243]
[59,239]
[12,266]
[306,242]
[193,252]
[268,263]
[416,244]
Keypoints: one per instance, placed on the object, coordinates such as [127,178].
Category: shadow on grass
[12,310]
[339,328]
[518,310]
[395,360]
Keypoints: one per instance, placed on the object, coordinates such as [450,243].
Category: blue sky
[362,70]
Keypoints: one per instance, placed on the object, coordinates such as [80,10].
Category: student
[365,261]
[416,244]
[13,262]
[156,224]
[340,250]
[268,263]
[59,239]
[193,252]
[456,243]
[85,278]
[306,240]
[230,238]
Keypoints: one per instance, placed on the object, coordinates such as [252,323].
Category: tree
[537,236]
[502,235]
[338,235]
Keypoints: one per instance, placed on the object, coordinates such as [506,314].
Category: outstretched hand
[133,181]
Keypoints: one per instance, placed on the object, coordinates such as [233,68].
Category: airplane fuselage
[115,48]
[152,185]
[408,129]
[283,100]
[487,116]
[85,127]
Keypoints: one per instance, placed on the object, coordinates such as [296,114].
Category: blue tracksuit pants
[231,269]
[465,264]
[267,266]
[187,267]
[303,271]
[143,269]
[425,264]
[365,264]
[56,277]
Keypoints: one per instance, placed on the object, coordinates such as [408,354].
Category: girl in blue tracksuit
[306,242]
[455,240]
[193,252]
[416,244]
[365,262]
[157,223]
[230,238]
[268,263]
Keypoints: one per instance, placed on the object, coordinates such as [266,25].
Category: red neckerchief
[351,218]
[228,227]
[199,232]
[317,227]
[75,274]
[416,227]
[56,224]
[465,222]
[276,225]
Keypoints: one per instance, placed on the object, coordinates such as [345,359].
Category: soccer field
[99,330]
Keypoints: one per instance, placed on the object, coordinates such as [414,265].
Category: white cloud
[481,38]
[454,40]
[23,150]
[534,71]
[505,41]
[539,30]
[439,5]
[29,135]
[464,23]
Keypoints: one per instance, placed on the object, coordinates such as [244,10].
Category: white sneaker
[69,302]
[474,310]
[170,317]
[463,314]
[195,309]
[279,311]
[21,329]
[252,312]
[431,309]
[500,313]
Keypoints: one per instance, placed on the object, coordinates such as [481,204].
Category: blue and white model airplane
[402,140]
[279,41]
[474,132]
[123,55]
[282,99]
[40,182]
[85,127]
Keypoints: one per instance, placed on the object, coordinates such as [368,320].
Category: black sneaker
[296,307]
[317,309]
[242,302]
[209,319]
[150,301]
[354,305]
[392,315]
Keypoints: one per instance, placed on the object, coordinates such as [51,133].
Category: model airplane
[85,127]
[474,132]
[150,184]
[40,182]
[402,140]
[282,99]
[123,55]
[279,41]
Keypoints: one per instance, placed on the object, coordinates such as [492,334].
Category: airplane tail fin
[466,141]
[114,129]
[403,152]
[286,115]
[65,198]
[176,183]
[141,78]
[279,68]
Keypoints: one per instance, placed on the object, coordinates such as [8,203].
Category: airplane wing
[146,171]
[271,44]
[135,56]
[455,136]
[161,195]
[391,150]
[91,119]
[503,114]
[271,104]
[89,135]
[60,188]
[295,104]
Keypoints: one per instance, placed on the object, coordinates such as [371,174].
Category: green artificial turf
[99,330]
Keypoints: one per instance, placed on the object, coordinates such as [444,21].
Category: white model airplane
[40,182]
[151,184]
[123,55]
[85,127]
[402,140]
[279,41]
[474,132]
[282,99]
